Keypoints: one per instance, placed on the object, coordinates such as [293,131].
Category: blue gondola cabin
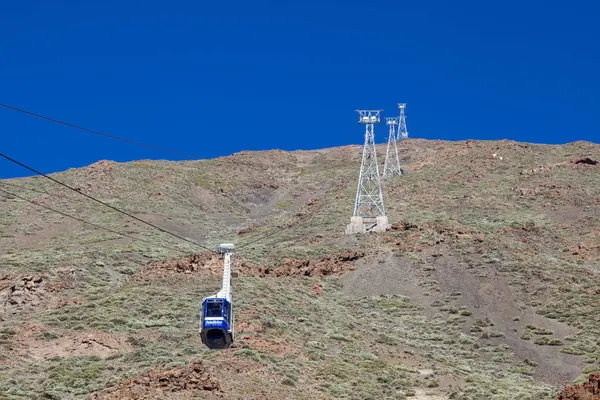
[217,323]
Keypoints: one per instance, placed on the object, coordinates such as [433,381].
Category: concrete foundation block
[355,226]
[382,224]
[358,225]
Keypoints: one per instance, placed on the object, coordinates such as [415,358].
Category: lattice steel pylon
[402,131]
[391,166]
[369,210]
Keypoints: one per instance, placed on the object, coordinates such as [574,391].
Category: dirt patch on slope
[429,370]
[332,265]
[488,294]
[26,293]
[34,341]
[98,344]
[239,378]
[21,292]
[174,383]
[445,285]
[211,264]
[246,379]
[206,263]
[418,237]
[589,390]
[98,175]
[254,336]
[589,248]
[390,275]
[271,347]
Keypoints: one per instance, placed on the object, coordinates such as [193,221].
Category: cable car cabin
[217,323]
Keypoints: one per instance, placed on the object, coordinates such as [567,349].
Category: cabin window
[214,309]
[227,313]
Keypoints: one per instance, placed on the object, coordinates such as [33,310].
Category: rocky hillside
[487,285]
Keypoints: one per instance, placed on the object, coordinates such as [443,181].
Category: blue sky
[213,78]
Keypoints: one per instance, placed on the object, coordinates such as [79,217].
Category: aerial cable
[134,143]
[266,236]
[115,138]
[99,133]
[293,223]
[187,217]
[260,236]
[277,230]
[89,223]
[56,195]
[103,203]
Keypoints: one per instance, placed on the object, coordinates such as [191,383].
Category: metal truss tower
[369,211]
[391,165]
[402,132]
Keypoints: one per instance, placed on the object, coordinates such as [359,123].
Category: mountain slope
[487,285]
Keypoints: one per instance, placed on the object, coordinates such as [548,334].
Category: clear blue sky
[218,77]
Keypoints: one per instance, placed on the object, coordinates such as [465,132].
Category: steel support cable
[127,141]
[105,204]
[97,132]
[60,197]
[164,150]
[288,225]
[261,236]
[90,223]
[341,188]
[293,223]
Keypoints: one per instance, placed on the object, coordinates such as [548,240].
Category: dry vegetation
[487,286]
